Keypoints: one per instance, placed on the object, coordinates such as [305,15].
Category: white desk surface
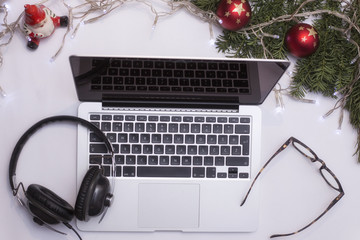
[292,191]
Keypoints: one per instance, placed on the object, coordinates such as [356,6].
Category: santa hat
[34,14]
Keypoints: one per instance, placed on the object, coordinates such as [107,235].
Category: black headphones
[47,207]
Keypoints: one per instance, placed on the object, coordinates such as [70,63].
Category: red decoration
[40,22]
[302,40]
[234,14]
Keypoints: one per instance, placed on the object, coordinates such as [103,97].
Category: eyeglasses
[325,172]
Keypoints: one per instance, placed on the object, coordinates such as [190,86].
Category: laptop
[187,137]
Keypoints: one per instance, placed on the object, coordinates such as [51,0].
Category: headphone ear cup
[48,206]
[92,194]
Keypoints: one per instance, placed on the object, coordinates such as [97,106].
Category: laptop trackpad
[168,206]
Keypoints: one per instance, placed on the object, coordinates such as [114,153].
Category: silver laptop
[187,136]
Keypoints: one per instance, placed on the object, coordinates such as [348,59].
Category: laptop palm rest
[168,206]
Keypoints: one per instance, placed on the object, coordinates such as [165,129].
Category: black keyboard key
[242,129]
[228,128]
[125,148]
[225,150]
[198,172]
[119,159]
[243,175]
[145,138]
[184,128]
[233,120]
[219,161]
[130,159]
[180,149]
[206,128]
[118,118]
[136,148]
[208,161]
[221,175]
[169,149]
[128,127]
[122,137]
[188,119]
[95,138]
[160,171]
[106,126]
[118,171]
[214,150]
[129,171]
[189,139]
[192,149]
[210,172]
[173,127]
[178,138]
[197,160]
[200,139]
[141,160]
[164,160]
[186,160]
[211,139]
[203,150]
[236,150]
[199,119]
[175,160]
[94,117]
[211,119]
[237,161]
[150,127]
[95,159]
[217,128]
[106,171]
[133,138]
[244,140]
[167,138]
[139,127]
[155,138]
[176,119]
[233,172]
[153,160]
[222,139]
[153,118]
[98,148]
[111,137]
[159,149]
[117,126]
[147,149]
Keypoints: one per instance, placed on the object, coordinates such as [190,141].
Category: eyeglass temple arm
[267,163]
[333,202]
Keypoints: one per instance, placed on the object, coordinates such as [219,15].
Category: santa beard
[43,29]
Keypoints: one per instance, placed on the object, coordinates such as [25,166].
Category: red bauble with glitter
[302,40]
[233,14]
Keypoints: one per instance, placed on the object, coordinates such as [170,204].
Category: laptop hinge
[168,102]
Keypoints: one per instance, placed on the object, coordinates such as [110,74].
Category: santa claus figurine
[40,22]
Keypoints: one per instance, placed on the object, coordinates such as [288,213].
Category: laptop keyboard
[170,75]
[176,146]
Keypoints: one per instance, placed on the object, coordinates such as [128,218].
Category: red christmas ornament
[234,14]
[302,40]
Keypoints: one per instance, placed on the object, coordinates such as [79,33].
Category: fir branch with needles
[333,70]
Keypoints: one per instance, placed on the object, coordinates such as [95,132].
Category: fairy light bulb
[2,92]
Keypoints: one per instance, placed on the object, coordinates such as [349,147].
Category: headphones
[47,207]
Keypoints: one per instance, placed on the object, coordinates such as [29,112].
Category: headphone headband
[20,144]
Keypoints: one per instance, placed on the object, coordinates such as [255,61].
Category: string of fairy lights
[89,11]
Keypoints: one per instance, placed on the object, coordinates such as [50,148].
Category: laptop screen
[233,81]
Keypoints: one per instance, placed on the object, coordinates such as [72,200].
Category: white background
[292,190]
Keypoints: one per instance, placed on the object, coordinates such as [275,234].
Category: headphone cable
[70,227]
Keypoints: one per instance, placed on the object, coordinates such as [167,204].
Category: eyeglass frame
[313,159]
